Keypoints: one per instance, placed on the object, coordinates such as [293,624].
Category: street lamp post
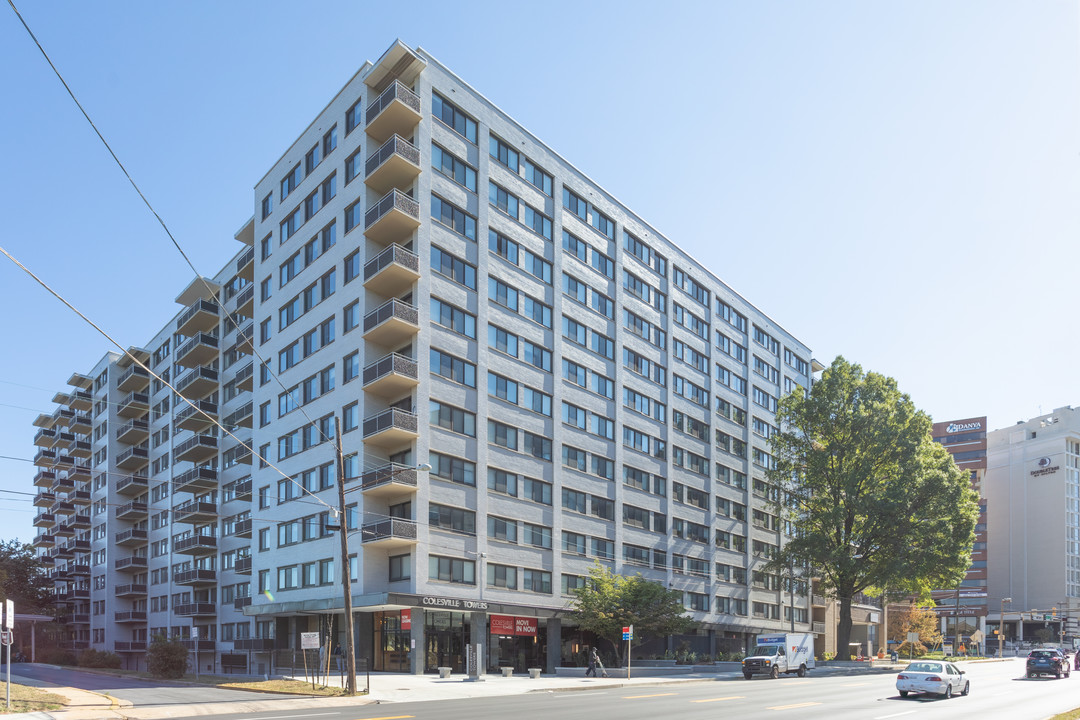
[1001,626]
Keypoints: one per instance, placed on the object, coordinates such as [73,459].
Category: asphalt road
[141,693]
[998,690]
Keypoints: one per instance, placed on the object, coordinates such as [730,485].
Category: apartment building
[424,271]
[963,609]
[1032,489]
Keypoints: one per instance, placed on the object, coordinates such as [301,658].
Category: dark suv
[1047,662]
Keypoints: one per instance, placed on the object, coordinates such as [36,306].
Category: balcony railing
[197,383]
[392,271]
[389,479]
[199,349]
[393,424]
[201,315]
[395,164]
[391,375]
[391,532]
[196,545]
[135,377]
[196,449]
[195,577]
[392,323]
[195,609]
[196,480]
[396,110]
[395,216]
[195,416]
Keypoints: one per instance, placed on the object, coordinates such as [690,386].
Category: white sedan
[931,676]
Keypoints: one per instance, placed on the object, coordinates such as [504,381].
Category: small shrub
[99,659]
[167,658]
[58,656]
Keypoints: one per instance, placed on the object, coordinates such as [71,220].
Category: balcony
[46,458]
[81,400]
[79,569]
[129,591]
[79,521]
[242,528]
[197,416]
[817,600]
[392,324]
[79,497]
[132,646]
[130,564]
[79,473]
[130,616]
[133,432]
[392,272]
[245,264]
[44,520]
[389,480]
[44,478]
[240,452]
[135,537]
[195,577]
[199,645]
[81,449]
[395,111]
[78,380]
[134,458]
[197,383]
[395,217]
[243,566]
[133,379]
[197,350]
[45,438]
[132,485]
[390,534]
[44,498]
[134,404]
[195,610]
[245,302]
[394,165]
[79,545]
[391,376]
[195,512]
[134,510]
[44,540]
[62,507]
[196,545]
[63,440]
[62,417]
[197,449]
[391,428]
[196,480]
[200,316]
[244,377]
[243,489]
[241,602]
[81,423]
[257,644]
[73,595]
[240,417]
[64,462]
[63,483]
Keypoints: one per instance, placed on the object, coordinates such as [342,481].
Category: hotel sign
[1046,467]
[452,603]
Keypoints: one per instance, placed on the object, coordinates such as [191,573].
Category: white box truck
[780,653]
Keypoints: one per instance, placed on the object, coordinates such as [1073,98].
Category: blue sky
[894,181]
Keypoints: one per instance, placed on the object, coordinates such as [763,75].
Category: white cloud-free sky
[894,181]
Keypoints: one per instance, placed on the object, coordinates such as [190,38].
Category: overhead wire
[199,277]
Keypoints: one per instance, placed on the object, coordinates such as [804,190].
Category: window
[519,210]
[453,167]
[453,570]
[538,581]
[516,255]
[444,517]
[644,254]
[453,469]
[400,567]
[453,317]
[453,217]
[453,116]
[453,418]
[453,267]
[290,181]
[453,368]
[574,543]
[521,165]
[502,529]
[588,213]
[502,435]
[502,576]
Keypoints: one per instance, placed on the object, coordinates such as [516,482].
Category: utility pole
[346,571]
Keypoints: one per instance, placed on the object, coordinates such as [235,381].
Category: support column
[478,634]
[416,641]
[554,645]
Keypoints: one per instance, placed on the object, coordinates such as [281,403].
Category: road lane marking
[792,707]
[290,717]
[635,697]
[731,697]
[883,717]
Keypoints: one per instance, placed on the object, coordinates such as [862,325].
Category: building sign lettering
[961,427]
[508,625]
[1045,467]
[452,603]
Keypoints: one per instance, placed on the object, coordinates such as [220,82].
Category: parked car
[1047,662]
[930,676]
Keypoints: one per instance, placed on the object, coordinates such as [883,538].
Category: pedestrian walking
[593,659]
[340,658]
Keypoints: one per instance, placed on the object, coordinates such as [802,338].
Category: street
[997,690]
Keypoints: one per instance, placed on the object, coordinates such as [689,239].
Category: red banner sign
[406,619]
[510,625]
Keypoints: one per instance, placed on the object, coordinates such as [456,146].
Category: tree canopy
[875,503]
[608,602]
[23,579]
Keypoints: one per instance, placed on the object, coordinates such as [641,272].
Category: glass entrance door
[446,635]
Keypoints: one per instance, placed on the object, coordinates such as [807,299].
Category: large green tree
[875,503]
[23,578]
[608,602]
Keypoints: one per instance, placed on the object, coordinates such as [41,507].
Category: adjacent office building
[1032,489]
[424,271]
[965,606]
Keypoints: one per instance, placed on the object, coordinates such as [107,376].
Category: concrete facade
[1032,488]
[457,294]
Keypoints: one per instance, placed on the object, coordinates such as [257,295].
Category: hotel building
[423,270]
